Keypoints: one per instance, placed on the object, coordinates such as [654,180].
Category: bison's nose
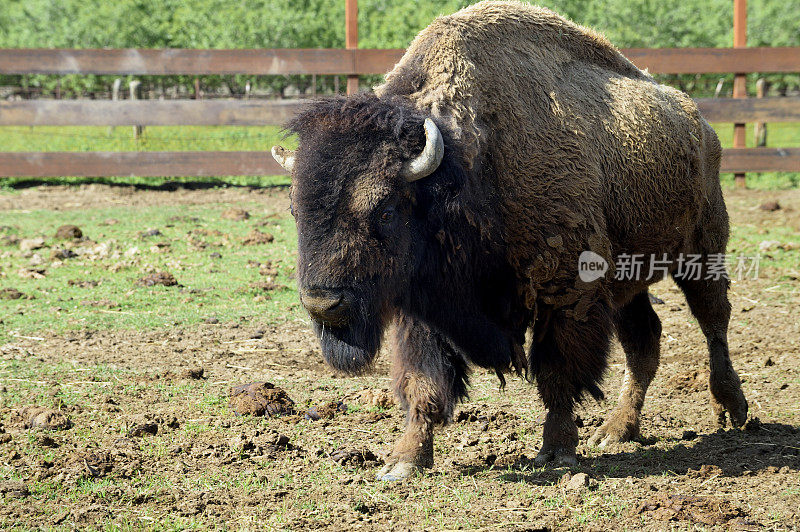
[329,306]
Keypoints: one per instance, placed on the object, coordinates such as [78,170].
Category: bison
[454,205]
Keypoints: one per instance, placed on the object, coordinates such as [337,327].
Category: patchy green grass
[203,251]
[153,138]
[781,256]
[205,254]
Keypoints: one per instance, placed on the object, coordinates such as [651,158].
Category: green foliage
[390,24]
[382,24]
[171,24]
[166,24]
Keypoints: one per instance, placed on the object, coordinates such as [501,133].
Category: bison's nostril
[334,302]
[326,305]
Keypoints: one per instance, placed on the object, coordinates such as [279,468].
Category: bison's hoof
[396,471]
[610,433]
[726,395]
[562,457]
[737,410]
[739,417]
[738,413]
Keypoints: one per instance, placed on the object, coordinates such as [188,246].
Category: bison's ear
[429,160]
[284,157]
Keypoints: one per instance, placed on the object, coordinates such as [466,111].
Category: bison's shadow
[198,183]
[735,452]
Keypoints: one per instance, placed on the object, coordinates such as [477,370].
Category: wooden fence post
[740,79]
[351,38]
[134,93]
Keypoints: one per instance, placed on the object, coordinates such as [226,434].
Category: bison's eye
[387,216]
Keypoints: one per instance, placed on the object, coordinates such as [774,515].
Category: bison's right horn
[426,162]
[284,157]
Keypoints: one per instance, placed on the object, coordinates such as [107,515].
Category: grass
[202,250]
[746,240]
[154,138]
[312,487]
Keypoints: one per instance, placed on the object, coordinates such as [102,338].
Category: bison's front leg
[429,378]
[568,360]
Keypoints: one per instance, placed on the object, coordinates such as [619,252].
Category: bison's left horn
[284,157]
[426,162]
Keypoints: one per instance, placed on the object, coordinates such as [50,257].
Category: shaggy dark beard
[351,349]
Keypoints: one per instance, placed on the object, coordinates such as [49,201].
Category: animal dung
[44,418]
[260,399]
[68,232]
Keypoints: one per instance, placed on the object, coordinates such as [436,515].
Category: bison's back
[582,144]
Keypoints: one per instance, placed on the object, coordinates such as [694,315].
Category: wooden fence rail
[750,109]
[224,163]
[351,62]
[197,62]
[263,112]
[317,61]
[146,112]
[138,163]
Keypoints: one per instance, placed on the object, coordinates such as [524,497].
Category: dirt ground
[142,435]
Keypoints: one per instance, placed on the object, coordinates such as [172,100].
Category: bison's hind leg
[639,331]
[708,301]
[568,360]
[706,292]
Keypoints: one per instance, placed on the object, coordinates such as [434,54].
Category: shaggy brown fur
[555,144]
[587,152]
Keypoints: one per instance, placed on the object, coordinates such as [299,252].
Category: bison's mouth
[351,348]
[349,320]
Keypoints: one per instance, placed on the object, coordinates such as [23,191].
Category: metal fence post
[760,129]
[114,97]
[134,93]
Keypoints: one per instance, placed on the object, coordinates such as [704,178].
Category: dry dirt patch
[153,439]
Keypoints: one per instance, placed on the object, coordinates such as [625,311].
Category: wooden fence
[350,62]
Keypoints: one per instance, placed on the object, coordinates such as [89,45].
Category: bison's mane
[392,121]
[387,119]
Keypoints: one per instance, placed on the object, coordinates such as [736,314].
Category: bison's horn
[426,162]
[284,157]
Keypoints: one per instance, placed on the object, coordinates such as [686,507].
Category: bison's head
[361,212]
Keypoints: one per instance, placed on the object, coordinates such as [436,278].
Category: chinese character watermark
[689,267]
